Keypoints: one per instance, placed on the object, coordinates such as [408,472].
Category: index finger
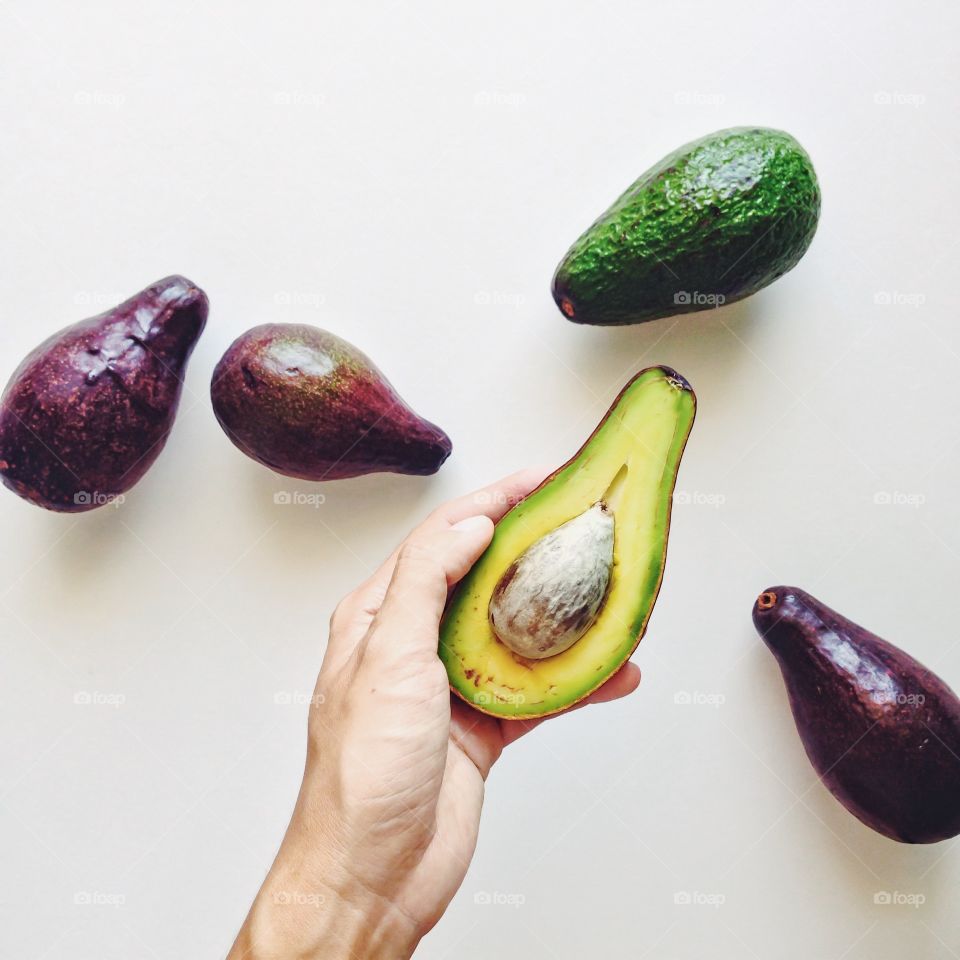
[492,501]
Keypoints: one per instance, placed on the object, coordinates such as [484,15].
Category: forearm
[295,918]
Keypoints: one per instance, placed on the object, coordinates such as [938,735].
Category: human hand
[386,821]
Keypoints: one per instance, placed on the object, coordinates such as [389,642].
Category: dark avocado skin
[881,730]
[308,404]
[721,217]
[89,410]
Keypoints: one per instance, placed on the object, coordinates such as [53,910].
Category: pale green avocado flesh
[630,462]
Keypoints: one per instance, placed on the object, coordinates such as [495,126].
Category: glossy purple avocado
[308,404]
[881,730]
[88,411]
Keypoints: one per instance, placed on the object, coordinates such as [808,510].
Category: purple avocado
[308,404]
[881,730]
[89,410]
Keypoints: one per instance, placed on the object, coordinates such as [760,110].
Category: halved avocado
[629,466]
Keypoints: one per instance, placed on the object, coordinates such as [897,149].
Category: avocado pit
[551,595]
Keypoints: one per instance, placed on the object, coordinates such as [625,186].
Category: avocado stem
[767,600]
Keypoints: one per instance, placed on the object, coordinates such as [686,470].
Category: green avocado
[714,222]
[561,597]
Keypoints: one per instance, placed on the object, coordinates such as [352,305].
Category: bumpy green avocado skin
[714,222]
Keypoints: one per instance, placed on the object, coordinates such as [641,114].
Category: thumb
[427,567]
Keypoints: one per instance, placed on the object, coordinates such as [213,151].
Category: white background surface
[408,175]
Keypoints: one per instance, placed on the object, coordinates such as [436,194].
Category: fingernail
[472,524]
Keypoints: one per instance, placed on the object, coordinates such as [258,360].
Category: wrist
[295,921]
